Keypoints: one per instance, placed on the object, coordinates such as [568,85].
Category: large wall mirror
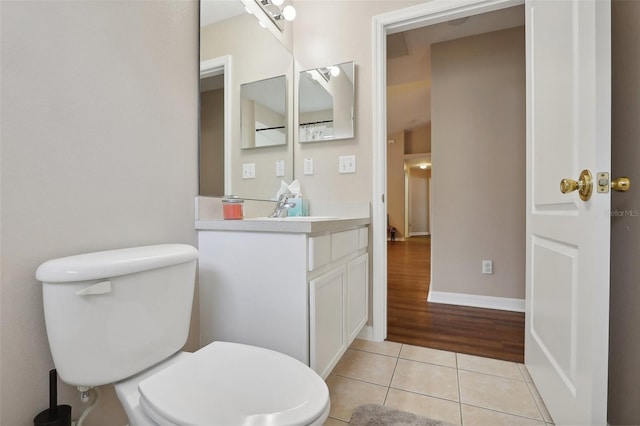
[243,55]
[326,103]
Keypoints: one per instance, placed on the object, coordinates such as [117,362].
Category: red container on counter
[232,208]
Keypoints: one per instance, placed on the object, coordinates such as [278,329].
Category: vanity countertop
[300,224]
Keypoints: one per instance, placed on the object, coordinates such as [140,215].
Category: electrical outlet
[279,168]
[487,267]
[249,171]
[347,164]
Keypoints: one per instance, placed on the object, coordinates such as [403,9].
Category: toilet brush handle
[53,394]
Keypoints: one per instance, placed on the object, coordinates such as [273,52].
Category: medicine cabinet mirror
[326,103]
[263,114]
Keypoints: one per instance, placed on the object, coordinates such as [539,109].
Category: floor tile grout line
[429,363]
[371,352]
[491,374]
[504,412]
[424,394]
[459,392]
[535,401]
[391,380]
[360,380]
[399,355]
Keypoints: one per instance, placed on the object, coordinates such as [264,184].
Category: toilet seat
[232,384]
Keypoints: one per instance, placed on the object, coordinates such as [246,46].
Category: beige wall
[395,183]
[211,155]
[478,154]
[624,375]
[418,140]
[99,130]
[332,32]
[418,201]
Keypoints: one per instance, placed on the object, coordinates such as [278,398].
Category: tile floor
[456,388]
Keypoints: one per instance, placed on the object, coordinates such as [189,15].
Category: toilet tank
[112,314]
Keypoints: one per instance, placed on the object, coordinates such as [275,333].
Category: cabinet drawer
[344,243]
[319,251]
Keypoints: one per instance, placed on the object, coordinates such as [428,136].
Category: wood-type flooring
[412,320]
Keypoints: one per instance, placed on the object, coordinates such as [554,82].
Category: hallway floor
[463,329]
[457,388]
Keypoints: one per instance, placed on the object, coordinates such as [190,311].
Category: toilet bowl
[122,316]
[226,384]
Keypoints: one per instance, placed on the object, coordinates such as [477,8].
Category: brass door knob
[621,184]
[584,185]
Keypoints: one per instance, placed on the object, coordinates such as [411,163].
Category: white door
[568,130]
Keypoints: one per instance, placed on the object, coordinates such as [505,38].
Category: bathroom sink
[298,218]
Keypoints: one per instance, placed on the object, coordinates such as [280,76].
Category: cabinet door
[357,295]
[327,296]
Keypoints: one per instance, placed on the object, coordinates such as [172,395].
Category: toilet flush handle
[103,287]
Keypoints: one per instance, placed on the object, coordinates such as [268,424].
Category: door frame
[430,13]
[211,68]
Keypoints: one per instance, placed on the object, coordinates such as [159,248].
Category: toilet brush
[55,415]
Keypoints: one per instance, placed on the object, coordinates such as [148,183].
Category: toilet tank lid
[113,263]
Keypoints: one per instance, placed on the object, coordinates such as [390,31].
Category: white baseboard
[366,333]
[417,234]
[397,239]
[477,301]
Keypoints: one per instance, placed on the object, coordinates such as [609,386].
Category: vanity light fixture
[326,73]
[288,13]
[272,9]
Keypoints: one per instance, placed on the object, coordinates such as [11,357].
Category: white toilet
[121,317]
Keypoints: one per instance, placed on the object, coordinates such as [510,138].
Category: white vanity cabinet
[338,298]
[327,325]
[302,291]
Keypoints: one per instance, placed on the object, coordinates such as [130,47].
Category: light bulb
[277,2]
[335,71]
[289,13]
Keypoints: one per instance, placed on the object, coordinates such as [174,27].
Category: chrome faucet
[283,205]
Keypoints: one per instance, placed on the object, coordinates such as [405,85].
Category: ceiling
[409,63]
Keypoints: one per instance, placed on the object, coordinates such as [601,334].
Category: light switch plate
[279,168]
[347,164]
[249,171]
[308,166]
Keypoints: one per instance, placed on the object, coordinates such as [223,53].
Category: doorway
[215,76]
[379,293]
